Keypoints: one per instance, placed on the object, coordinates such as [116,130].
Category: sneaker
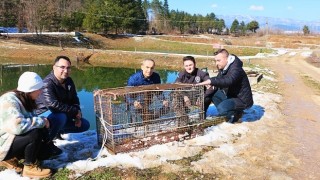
[12,164]
[35,171]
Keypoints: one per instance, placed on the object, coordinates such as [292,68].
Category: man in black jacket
[232,90]
[59,95]
[193,75]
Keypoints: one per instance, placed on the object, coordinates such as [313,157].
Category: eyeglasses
[68,68]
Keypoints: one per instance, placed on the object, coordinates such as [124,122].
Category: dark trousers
[26,146]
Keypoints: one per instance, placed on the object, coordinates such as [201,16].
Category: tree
[8,13]
[253,26]
[219,25]
[95,19]
[73,22]
[166,9]
[141,24]
[235,26]
[177,20]
[306,30]
[242,28]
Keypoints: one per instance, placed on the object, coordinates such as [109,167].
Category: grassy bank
[111,51]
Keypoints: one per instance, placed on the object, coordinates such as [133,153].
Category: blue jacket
[137,79]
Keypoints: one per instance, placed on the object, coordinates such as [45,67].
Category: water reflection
[86,80]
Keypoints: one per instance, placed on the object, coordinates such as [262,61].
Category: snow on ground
[306,54]
[81,152]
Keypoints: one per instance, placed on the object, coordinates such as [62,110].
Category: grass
[168,46]
[314,84]
[114,173]
[268,82]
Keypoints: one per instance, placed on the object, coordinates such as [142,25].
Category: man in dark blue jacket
[146,76]
[232,88]
[59,95]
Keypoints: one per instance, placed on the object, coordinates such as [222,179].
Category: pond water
[87,79]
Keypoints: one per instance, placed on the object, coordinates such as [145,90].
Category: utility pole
[267,32]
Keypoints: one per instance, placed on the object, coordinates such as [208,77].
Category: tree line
[112,16]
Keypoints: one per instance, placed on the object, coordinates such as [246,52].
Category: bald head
[147,67]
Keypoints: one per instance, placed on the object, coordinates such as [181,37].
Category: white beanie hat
[29,82]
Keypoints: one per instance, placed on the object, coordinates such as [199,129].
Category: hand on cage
[47,123]
[198,102]
[79,115]
[78,122]
[208,86]
[187,101]
[165,103]
[137,105]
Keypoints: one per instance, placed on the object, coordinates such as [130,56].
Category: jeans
[225,106]
[60,123]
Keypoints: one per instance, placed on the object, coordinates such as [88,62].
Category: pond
[86,79]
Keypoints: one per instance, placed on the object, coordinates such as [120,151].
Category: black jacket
[195,77]
[56,98]
[235,83]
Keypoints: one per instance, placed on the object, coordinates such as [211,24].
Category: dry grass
[174,44]
[314,84]
[19,51]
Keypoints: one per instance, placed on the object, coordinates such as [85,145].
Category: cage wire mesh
[132,118]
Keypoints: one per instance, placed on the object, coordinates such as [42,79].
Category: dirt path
[301,109]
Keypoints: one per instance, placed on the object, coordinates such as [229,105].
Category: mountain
[273,23]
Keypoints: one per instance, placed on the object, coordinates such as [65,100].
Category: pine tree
[306,30]
[235,26]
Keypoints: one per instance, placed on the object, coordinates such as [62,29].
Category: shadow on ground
[252,114]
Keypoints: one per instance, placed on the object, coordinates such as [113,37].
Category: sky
[306,10]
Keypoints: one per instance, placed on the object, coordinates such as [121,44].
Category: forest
[112,17]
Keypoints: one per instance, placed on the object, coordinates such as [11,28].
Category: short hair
[221,51]
[189,58]
[62,57]
[145,60]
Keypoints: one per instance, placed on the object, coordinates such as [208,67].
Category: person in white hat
[20,130]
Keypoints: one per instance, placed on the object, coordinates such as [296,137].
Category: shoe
[58,136]
[236,118]
[35,171]
[12,164]
[48,151]
[54,150]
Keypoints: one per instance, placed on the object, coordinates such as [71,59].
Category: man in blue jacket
[146,76]
[232,90]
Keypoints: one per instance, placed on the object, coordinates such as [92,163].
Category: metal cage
[132,118]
